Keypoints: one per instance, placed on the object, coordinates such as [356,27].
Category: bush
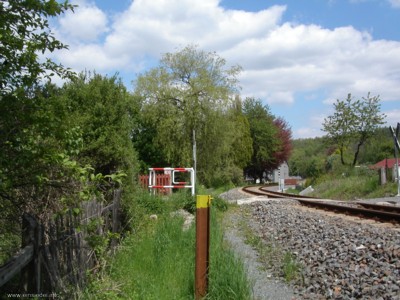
[183,199]
[137,205]
[219,204]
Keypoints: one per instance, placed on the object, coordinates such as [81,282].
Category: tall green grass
[227,277]
[353,185]
[157,262]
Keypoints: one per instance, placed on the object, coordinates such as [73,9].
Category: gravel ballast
[340,258]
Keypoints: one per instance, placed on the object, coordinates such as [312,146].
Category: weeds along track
[384,213]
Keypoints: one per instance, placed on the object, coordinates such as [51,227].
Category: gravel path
[265,286]
[341,258]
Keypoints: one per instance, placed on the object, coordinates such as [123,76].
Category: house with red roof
[387,169]
[387,163]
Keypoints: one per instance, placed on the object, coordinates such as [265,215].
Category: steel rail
[387,208]
[373,211]
[248,189]
[284,195]
[355,211]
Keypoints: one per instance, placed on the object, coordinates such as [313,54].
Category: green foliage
[378,147]
[9,244]
[106,113]
[98,241]
[40,172]
[191,92]
[264,136]
[227,275]
[358,183]
[354,121]
[151,204]
[38,168]
[242,147]
[146,262]
[304,152]
[158,263]
[219,204]
[24,33]
[137,207]
[183,199]
[314,157]
[291,268]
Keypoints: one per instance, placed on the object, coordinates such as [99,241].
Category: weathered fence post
[115,216]
[30,274]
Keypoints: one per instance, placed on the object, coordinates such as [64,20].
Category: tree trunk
[341,156]
[357,152]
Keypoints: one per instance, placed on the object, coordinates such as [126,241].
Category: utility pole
[396,154]
[194,155]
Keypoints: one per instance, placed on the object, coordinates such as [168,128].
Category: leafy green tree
[242,146]
[106,114]
[39,168]
[353,123]
[191,91]
[378,147]
[24,34]
[31,135]
[264,136]
[308,157]
[39,171]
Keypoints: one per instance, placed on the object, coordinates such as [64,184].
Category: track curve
[386,213]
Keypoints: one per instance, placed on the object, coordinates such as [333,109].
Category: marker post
[202,245]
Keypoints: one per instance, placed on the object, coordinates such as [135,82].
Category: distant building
[387,163]
[387,169]
[282,172]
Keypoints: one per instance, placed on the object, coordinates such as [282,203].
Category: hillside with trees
[338,163]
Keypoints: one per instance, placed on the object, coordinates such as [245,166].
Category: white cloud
[87,23]
[92,57]
[279,59]
[307,132]
[303,58]
[392,117]
[154,27]
[395,3]
[313,128]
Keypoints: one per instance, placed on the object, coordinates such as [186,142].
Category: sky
[297,56]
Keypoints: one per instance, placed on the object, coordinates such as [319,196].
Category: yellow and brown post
[202,245]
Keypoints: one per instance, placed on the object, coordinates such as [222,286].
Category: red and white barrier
[175,184]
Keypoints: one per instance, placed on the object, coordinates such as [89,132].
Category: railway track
[386,213]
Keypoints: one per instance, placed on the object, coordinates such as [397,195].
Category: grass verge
[353,186]
[157,262]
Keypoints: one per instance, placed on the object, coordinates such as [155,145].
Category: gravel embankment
[340,258]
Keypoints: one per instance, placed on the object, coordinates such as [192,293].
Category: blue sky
[298,57]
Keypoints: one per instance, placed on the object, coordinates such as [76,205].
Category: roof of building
[385,163]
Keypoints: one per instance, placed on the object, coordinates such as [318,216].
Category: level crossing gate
[175,184]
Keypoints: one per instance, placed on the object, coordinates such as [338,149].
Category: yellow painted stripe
[203,201]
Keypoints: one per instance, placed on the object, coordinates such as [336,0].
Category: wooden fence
[55,257]
[161,179]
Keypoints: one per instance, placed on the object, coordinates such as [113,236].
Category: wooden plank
[15,264]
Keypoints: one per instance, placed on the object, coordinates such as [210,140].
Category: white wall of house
[281,173]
